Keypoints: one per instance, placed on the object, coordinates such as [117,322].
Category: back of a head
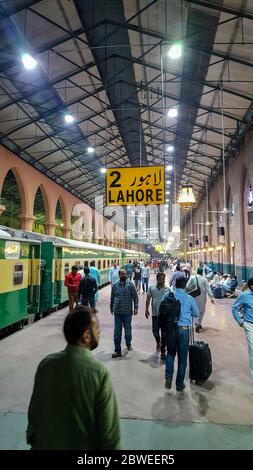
[160,275]
[92,263]
[181,283]
[200,271]
[86,271]
[178,267]
[76,323]
[250,282]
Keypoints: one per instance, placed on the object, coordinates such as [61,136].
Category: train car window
[18,274]
[99,264]
[66,268]
[104,264]
[108,263]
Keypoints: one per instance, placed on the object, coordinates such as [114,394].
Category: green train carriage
[20,279]
[34,267]
[59,255]
[128,255]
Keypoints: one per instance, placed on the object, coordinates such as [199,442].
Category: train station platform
[218,415]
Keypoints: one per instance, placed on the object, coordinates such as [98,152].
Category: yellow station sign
[135,185]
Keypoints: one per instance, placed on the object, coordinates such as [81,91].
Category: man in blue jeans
[87,289]
[178,339]
[243,314]
[123,299]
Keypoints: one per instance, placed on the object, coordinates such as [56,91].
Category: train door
[33,290]
[57,275]
[47,275]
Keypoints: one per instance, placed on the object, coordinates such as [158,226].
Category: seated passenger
[231,285]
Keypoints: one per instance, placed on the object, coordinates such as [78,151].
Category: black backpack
[169,312]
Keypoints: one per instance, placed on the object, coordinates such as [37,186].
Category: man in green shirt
[73,405]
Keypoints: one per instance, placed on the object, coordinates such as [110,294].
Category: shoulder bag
[196,291]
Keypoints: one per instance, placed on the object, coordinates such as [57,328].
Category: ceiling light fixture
[186,196]
[172,113]
[170,148]
[28,61]
[103,170]
[169,167]
[90,150]
[69,118]
[175,51]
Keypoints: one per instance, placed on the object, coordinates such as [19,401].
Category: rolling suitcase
[200,360]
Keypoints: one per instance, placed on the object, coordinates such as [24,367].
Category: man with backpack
[87,289]
[156,293]
[175,314]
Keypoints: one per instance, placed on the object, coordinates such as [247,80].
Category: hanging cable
[223,147]
[140,143]
[163,107]
[207,194]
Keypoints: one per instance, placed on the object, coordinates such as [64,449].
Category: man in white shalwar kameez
[200,299]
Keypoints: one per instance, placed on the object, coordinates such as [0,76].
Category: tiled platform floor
[146,406]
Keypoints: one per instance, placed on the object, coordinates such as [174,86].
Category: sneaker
[130,348]
[158,347]
[180,389]
[115,354]
[168,383]
[163,356]
[198,327]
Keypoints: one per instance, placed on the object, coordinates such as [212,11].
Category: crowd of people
[76,424]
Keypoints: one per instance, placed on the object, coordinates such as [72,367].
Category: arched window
[39,212]
[58,219]
[11,200]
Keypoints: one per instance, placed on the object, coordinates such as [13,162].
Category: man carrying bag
[175,314]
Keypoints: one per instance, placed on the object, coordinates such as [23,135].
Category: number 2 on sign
[114,183]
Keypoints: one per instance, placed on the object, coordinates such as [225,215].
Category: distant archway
[59,219]
[39,211]
[11,199]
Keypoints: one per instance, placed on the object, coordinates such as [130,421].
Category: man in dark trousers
[72,282]
[87,289]
[156,293]
[178,342]
[124,299]
[73,405]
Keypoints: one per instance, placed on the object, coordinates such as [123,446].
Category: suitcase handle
[192,339]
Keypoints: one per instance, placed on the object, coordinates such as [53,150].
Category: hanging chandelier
[186,196]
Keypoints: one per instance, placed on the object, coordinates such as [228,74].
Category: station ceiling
[106,63]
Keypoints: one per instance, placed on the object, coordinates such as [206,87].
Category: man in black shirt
[87,289]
